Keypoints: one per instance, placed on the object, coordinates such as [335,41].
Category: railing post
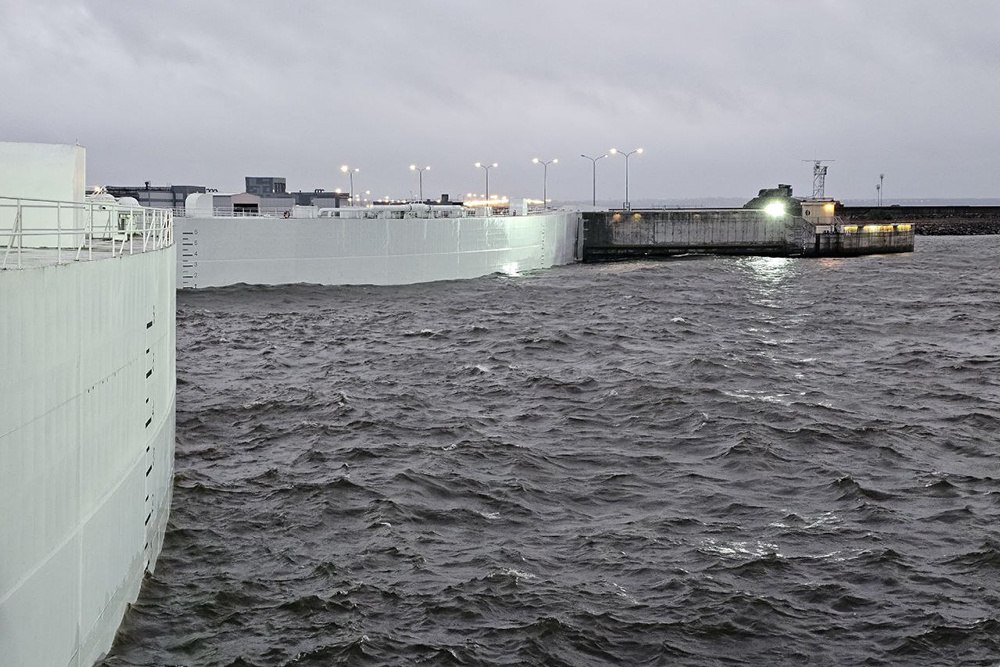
[20,232]
[14,235]
[59,232]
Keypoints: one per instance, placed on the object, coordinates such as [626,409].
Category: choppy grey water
[696,462]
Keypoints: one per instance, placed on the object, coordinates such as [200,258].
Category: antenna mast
[819,178]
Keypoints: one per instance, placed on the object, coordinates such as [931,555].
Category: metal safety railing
[362,212]
[375,211]
[52,231]
[230,212]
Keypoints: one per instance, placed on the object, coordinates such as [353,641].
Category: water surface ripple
[703,461]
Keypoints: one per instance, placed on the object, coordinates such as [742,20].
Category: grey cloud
[726,96]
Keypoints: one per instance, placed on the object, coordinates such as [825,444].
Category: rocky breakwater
[956,227]
[930,220]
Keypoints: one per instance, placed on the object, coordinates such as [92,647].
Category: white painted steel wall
[213,252]
[55,172]
[87,382]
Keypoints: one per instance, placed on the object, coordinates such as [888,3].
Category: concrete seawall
[623,234]
[661,233]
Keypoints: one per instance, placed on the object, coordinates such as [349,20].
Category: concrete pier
[615,235]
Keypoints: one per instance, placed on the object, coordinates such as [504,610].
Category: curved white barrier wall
[87,380]
[213,252]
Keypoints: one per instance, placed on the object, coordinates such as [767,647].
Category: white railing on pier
[57,232]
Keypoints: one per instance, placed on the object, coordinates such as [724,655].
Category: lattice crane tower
[819,178]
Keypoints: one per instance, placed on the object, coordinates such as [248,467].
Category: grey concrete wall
[609,234]
[620,235]
[863,243]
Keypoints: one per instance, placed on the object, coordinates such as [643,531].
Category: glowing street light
[350,172]
[487,167]
[615,151]
[594,160]
[420,175]
[545,178]
[775,209]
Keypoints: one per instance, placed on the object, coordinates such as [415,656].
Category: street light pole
[420,176]
[487,167]
[615,151]
[881,177]
[350,172]
[594,160]
[545,179]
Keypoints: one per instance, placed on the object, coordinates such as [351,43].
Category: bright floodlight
[775,209]
[344,168]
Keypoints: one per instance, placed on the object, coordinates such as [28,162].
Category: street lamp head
[344,168]
[775,209]
[638,150]
[413,167]
[555,160]
[478,165]
[613,151]
[535,160]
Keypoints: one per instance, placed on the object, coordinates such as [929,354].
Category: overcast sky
[725,96]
